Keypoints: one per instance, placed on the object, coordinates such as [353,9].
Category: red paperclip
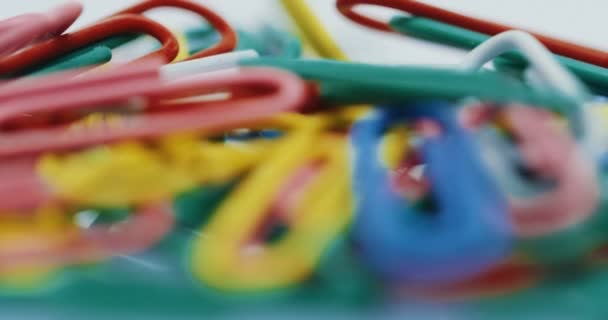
[228,35]
[56,47]
[503,279]
[22,30]
[277,91]
[145,227]
[417,8]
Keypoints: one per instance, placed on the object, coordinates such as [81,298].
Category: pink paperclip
[552,152]
[63,91]
[17,148]
[146,227]
[20,186]
[20,31]
[280,92]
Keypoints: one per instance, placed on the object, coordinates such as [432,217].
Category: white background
[582,21]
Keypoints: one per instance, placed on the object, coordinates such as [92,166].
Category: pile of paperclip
[225,172]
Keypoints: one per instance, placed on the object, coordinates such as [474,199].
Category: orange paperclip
[417,8]
[228,36]
[120,24]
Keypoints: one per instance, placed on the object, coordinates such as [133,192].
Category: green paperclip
[594,76]
[343,83]
[193,208]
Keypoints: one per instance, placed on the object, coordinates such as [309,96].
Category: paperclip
[228,258]
[54,48]
[320,40]
[215,166]
[554,153]
[64,90]
[505,279]
[594,76]
[69,245]
[146,173]
[549,73]
[282,92]
[343,83]
[218,62]
[209,117]
[417,8]
[279,43]
[469,234]
[91,56]
[267,42]
[20,31]
[228,39]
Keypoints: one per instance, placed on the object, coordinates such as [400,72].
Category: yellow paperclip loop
[132,173]
[313,31]
[220,258]
[135,173]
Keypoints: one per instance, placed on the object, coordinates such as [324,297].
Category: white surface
[583,21]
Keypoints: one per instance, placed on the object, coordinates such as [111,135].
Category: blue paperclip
[470,233]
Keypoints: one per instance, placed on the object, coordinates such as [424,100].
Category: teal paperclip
[267,42]
[347,83]
[77,59]
[95,54]
[422,28]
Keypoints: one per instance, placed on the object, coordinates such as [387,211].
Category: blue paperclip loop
[470,233]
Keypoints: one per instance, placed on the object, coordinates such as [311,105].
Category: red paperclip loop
[56,47]
[504,279]
[228,35]
[146,226]
[417,8]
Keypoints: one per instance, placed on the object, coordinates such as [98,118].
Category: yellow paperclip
[48,228]
[313,31]
[135,173]
[132,173]
[220,258]
[184,50]
[317,37]
[394,146]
